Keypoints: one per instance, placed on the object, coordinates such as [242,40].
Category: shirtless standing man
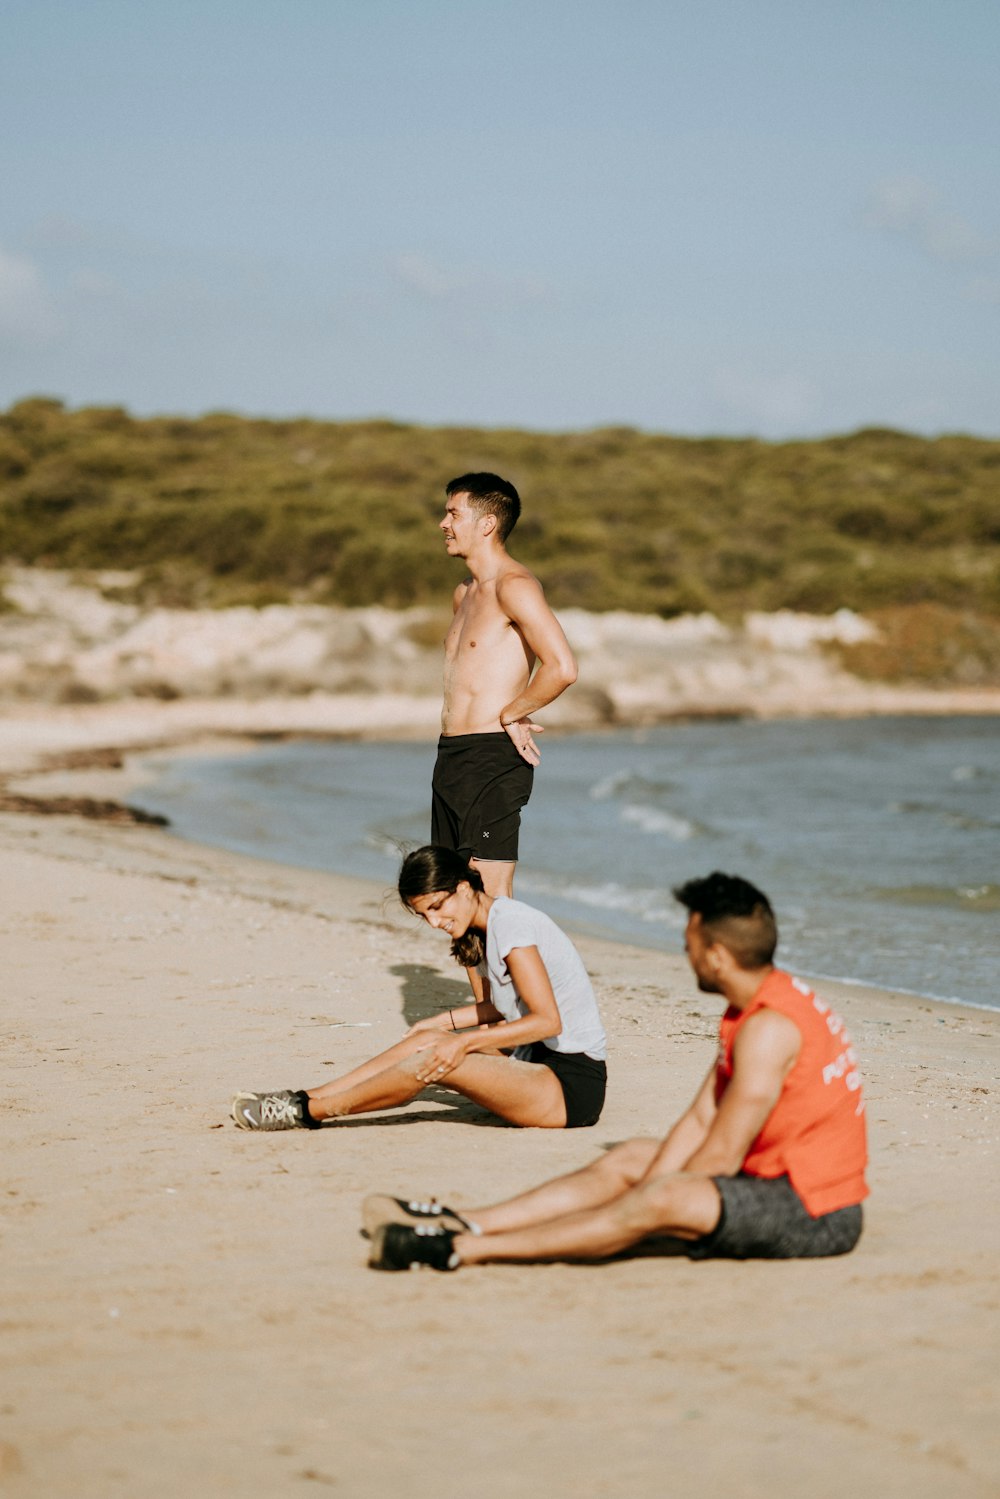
[505,658]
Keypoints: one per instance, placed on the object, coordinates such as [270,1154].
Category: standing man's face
[699,956]
[460,525]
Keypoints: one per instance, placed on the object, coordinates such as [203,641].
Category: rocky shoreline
[86,679]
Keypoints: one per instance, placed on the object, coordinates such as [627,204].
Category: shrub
[224,506]
[930,644]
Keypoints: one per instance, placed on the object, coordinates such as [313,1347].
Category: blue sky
[776,217]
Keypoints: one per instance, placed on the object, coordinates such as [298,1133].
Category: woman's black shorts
[583,1080]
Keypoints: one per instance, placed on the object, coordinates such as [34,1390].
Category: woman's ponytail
[469,949]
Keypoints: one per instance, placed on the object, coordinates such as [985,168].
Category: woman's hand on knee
[439,1057]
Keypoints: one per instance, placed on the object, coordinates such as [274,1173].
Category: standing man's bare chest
[482,634]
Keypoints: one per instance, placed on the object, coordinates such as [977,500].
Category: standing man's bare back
[505,658]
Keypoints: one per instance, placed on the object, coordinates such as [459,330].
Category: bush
[223,506]
[929,644]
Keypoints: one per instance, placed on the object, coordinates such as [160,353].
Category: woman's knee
[411,1060]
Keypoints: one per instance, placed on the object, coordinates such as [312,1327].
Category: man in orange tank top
[768,1161]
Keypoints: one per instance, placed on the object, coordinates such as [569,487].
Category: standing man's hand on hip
[520,732]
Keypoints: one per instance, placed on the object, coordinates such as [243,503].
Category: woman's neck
[481,914]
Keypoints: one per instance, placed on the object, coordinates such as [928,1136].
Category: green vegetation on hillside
[225,509]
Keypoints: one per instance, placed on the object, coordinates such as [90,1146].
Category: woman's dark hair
[431,869]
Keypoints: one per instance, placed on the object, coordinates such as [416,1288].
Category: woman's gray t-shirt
[512,924]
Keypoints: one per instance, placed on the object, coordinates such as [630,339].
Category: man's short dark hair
[490,495]
[735,913]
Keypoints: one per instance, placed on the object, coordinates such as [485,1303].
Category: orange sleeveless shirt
[816,1131]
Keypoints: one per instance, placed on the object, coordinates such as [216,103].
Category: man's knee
[628,1161]
[677,1204]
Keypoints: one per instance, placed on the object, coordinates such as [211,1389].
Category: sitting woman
[537,1001]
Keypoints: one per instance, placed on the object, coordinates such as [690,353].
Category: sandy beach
[695,306]
[188,1308]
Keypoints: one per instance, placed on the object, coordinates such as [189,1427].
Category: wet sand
[188,1308]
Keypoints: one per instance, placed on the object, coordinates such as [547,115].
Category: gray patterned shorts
[764,1219]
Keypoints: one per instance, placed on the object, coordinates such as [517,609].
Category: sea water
[877,840]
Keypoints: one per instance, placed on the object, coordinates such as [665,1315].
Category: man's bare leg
[599,1182]
[498,879]
[685,1207]
[497,875]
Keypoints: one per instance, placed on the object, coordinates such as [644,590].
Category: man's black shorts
[480,785]
[764,1218]
[583,1079]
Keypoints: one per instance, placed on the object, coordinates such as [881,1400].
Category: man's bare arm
[689,1133]
[763,1055]
[522,600]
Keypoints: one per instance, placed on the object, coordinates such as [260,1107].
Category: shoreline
[209,1325]
[91,763]
[31,735]
[134,775]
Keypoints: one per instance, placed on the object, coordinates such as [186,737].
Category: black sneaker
[397,1246]
[378,1210]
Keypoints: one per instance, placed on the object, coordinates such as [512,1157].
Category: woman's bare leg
[523,1093]
[371,1069]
